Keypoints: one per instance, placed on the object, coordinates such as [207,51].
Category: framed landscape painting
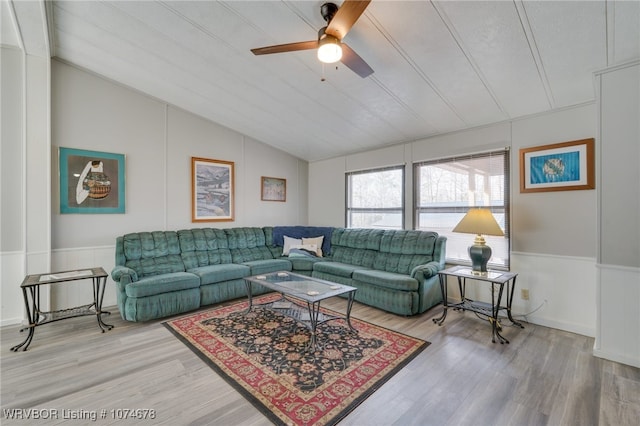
[273,189]
[91,182]
[212,190]
[562,166]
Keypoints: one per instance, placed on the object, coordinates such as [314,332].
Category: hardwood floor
[543,377]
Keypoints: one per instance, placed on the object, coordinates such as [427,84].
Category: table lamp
[480,222]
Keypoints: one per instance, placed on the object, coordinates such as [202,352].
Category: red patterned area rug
[264,355]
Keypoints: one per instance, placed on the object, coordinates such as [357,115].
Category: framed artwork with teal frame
[564,166]
[91,182]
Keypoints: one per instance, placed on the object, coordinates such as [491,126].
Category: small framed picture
[212,190]
[91,182]
[273,189]
[562,166]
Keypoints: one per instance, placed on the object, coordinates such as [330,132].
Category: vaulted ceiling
[439,66]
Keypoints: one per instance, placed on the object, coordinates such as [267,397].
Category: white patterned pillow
[317,241]
[288,243]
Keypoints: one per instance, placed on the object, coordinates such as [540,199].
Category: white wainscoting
[13,272]
[81,292]
[15,266]
[562,291]
[53,297]
[618,331]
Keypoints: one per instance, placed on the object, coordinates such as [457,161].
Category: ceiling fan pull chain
[322,77]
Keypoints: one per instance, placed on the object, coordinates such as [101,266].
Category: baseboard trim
[559,325]
[634,362]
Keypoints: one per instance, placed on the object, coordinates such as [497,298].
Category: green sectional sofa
[396,271]
[163,273]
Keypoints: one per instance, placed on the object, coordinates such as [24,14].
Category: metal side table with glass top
[31,292]
[498,280]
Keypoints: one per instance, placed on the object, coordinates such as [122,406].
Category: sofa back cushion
[355,246]
[204,247]
[402,250]
[150,253]
[247,244]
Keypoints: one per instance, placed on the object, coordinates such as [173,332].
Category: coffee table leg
[349,306]
[247,284]
[314,312]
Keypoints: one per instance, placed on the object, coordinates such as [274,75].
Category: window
[446,189]
[375,198]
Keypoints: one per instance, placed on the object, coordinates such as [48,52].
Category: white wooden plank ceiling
[439,66]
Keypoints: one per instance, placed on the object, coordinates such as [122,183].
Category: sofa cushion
[218,273]
[385,279]
[336,268]
[144,245]
[156,265]
[259,267]
[166,283]
[359,238]
[247,244]
[152,253]
[401,251]
[202,247]
[356,246]
[303,263]
[201,239]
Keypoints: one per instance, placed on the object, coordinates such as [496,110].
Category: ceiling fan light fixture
[329,49]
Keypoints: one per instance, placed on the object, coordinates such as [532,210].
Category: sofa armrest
[426,271]
[122,274]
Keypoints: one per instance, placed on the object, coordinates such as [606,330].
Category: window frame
[504,209]
[349,210]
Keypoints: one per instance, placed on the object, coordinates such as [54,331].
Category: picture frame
[212,190]
[273,189]
[564,166]
[91,182]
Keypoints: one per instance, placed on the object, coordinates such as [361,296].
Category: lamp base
[480,255]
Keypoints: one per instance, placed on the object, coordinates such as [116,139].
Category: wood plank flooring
[543,377]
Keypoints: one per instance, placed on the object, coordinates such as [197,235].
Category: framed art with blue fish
[564,166]
[91,182]
[212,190]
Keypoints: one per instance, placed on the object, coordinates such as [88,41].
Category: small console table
[31,294]
[498,279]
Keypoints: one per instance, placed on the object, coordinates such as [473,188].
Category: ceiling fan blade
[355,62]
[345,17]
[289,47]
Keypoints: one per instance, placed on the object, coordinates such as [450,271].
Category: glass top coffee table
[300,290]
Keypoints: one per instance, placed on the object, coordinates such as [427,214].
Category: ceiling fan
[329,43]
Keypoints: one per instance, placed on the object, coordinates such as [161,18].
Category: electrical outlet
[524,294]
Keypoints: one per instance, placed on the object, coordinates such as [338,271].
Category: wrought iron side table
[496,278]
[31,293]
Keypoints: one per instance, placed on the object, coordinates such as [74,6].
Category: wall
[12,217]
[25,174]
[554,250]
[158,140]
[618,289]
